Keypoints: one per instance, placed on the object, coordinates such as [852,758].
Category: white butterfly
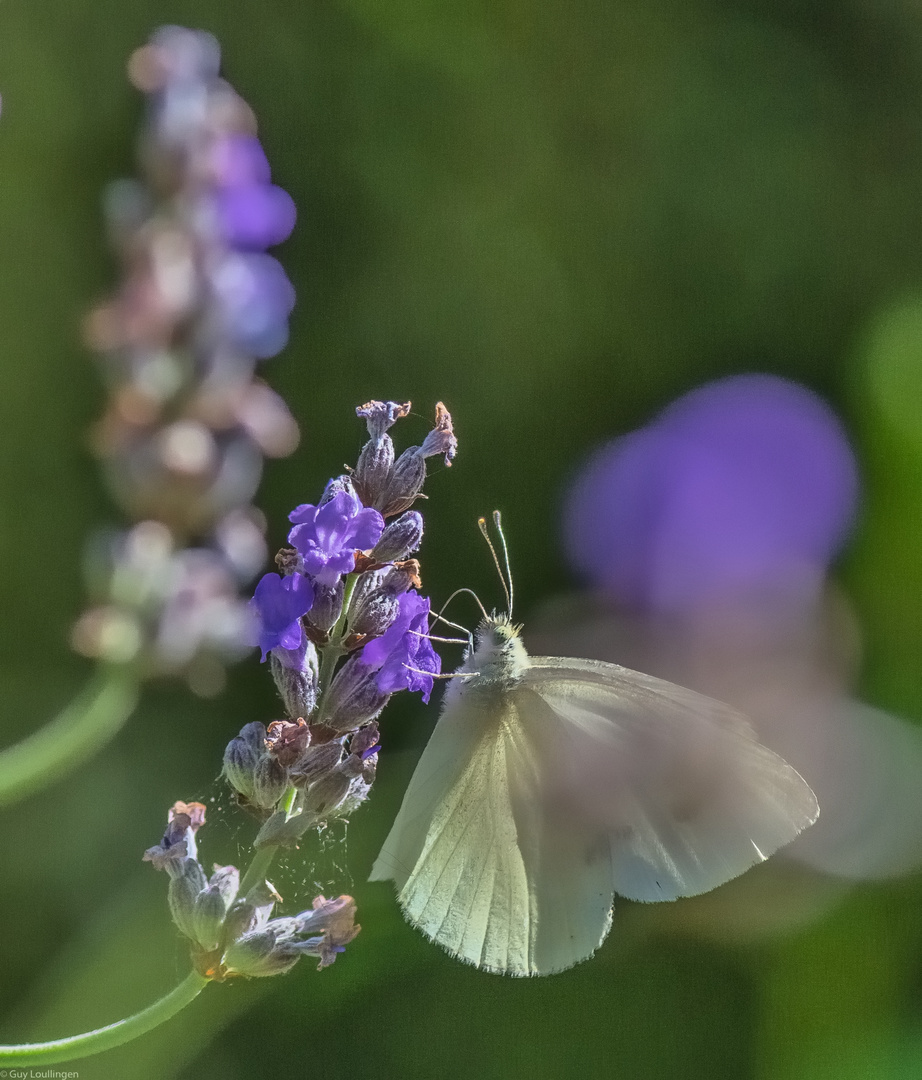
[550,784]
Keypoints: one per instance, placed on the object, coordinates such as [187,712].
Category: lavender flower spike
[327,536]
[188,423]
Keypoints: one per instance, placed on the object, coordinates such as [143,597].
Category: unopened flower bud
[360,774]
[352,767]
[274,947]
[295,673]
[400,538]
[339,485]
[377,457]
[318,761]
[241,756]
[327,794]
[250,912]
[212,904]
[328,605]
[182,895]
[409,471]
[270,782]
[354,697]
[405,483]
[257,955]
[401,577]
[374,614]
[284,831]
[287,741]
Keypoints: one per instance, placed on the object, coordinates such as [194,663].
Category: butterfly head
[498,656]
[496,659]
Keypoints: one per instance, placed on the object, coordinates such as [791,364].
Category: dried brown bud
[287,741]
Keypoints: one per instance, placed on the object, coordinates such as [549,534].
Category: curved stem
[75,734]
[105,1038]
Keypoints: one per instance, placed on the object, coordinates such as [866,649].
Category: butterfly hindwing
[687,795]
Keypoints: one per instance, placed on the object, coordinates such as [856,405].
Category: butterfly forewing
[686,795]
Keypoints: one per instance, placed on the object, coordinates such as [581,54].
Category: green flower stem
[333,650]
[105,1038]
[340,627]
[329,655]
[256,871]
[75,734]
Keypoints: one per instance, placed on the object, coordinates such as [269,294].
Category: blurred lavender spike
[187,423]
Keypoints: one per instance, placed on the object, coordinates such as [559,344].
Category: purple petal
[291,637]
[402,647]
[279,604]
[332,522]
[365,529]
[303,514]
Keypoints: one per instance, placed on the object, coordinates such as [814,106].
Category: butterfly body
[549,784]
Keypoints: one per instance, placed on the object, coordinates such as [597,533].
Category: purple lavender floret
[254,216]
[327,536]
[238,159]
[404,646]
[250,212]
[279,604]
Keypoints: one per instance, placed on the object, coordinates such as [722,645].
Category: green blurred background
[555,217]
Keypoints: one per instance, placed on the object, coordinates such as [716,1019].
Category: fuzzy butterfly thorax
[497,661]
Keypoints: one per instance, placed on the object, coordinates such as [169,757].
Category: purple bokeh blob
[254,216]
[746,486]
[239,159]
[256,299]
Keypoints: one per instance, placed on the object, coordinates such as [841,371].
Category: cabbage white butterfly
[549,784]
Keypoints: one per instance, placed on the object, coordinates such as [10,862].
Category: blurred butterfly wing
[685,793]
[477,867]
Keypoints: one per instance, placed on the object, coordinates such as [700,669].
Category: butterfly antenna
[453,625]
[444,640]
[448,675]
[458,592]
[482,525]
[498,523]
